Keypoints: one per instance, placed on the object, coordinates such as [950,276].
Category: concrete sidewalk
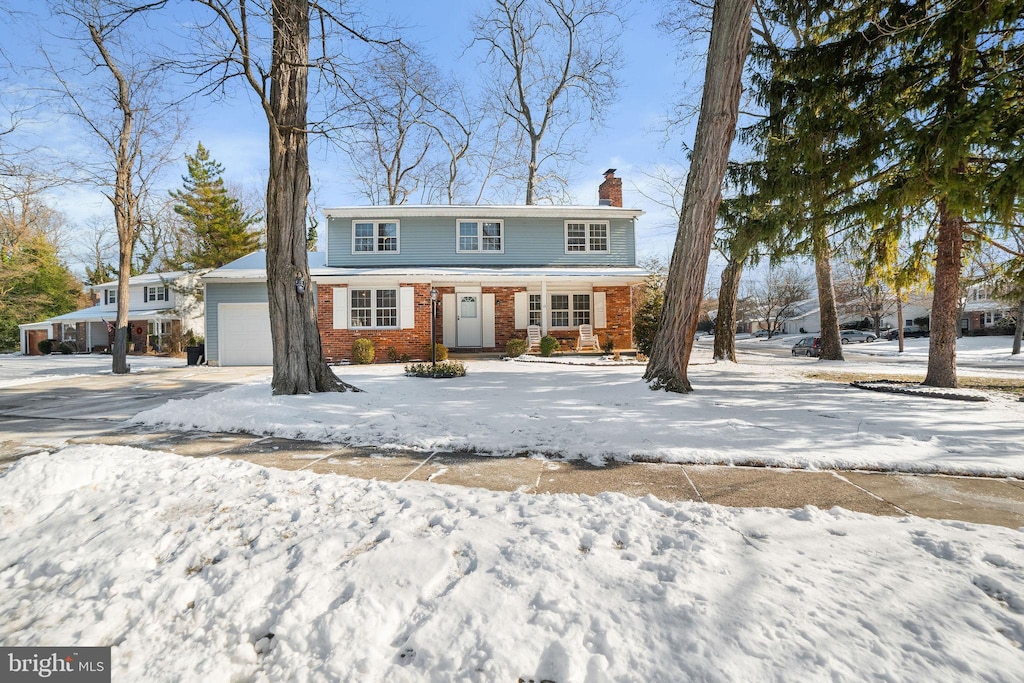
[970,499]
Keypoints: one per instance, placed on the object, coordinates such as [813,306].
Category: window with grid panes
[535,310]
[580,309]
[373,308]
[370,236]
[586,237]
[559,310]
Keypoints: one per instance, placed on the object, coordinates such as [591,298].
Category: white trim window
[586,237]
[156,293]
[475,236]
[109,296]
[992,317]
[375,236]
[535,312]
[566,308]
[373,308]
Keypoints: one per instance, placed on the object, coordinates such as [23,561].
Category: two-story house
[493,269]
[162,306]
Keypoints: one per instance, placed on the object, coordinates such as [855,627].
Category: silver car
[847,336]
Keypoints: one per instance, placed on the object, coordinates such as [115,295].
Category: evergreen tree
[897,106]
[219,227]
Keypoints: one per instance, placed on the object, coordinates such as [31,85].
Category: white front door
[469,315]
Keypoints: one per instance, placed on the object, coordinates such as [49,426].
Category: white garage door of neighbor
[245,335]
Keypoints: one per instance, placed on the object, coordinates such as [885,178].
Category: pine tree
[916,106]
[220,229]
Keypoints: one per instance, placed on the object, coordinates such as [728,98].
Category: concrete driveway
[94,408]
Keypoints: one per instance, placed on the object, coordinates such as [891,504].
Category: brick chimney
[610,191]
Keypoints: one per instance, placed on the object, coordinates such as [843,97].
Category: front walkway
[969,499]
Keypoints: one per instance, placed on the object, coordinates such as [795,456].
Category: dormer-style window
[586,237]
[109,296]
[480,236]
[375,236]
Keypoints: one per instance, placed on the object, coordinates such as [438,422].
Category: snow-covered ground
[17,370]
[214,570]
[210,570]
[995,349]
[762,412]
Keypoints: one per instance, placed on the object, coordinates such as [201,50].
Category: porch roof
[252,267]
[100,313]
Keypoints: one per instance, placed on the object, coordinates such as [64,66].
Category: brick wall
[619,307]
[414,342]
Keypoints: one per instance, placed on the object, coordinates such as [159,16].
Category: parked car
[847,336]
[762,333]
[807,346]
[908,331]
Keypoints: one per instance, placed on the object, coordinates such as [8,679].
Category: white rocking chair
[588,340]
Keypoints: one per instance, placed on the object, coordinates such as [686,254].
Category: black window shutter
[167,295]
[145,294]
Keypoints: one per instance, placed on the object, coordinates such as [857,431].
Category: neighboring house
[981,311]
[161,306]
[494,269]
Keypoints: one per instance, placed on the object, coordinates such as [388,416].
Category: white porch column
[543,307]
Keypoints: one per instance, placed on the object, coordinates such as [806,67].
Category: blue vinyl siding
[228,293]
[527,242]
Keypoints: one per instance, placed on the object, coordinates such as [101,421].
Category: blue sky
[233,129]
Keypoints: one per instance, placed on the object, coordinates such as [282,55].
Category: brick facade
[415,342]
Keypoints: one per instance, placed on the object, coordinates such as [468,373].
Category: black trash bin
[195,354]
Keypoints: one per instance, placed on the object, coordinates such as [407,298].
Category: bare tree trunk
[944,319]
[899,322]
[831,342]
[716,128]
[531,171]
[299,365]
[725,323]
[1018,331]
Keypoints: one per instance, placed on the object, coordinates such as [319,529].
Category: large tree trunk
[716,128]
[1018,331]
[944,320]
[299,365]
[831,342]
[725,323]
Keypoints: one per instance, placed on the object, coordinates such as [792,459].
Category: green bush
[45,346]
[68,348]
[609,344]
[392,354]
[448,368]
[362,351]
[548,345]
[442,352]
[515,348]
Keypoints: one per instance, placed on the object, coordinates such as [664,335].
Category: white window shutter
[600,310]
[407,312]
[341,308]
[448,317]
[522,310]
[488,321]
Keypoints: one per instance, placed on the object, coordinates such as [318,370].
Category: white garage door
[244,332]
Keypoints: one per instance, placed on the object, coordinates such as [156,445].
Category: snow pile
[219,571]
[740,414]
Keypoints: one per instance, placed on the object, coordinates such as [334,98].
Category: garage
[244,334]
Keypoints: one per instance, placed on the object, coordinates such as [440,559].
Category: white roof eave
[482,211]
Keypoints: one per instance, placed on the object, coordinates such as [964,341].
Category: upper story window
[109,296]
[480,235]
[586,237]
[156,293]
[370,236]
